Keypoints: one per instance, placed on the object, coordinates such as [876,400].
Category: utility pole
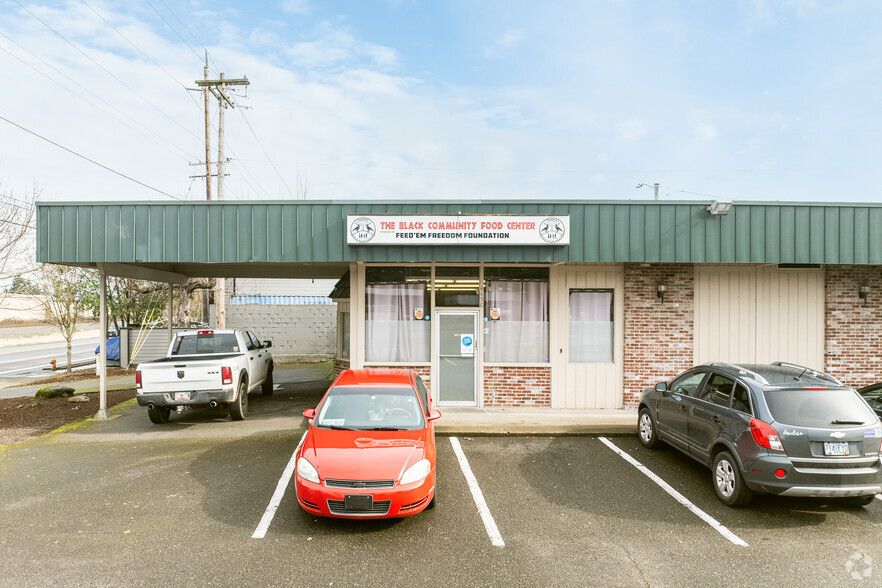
[218,90]
[207,135]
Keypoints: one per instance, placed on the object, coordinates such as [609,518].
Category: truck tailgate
[183,376]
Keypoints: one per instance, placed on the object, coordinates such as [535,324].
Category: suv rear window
[819,408]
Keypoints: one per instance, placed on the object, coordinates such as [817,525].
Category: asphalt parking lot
[125,502]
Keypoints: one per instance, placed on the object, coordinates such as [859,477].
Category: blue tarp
[112,349]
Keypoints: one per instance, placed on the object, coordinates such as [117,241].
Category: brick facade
[659,336]
[340,365]
[517,386]
[853,341]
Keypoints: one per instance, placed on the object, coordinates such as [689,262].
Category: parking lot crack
[637,567]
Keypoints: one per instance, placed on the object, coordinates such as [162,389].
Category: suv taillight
[226,375]
[765,435]
[138,379]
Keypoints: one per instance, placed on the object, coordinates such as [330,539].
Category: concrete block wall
[853,346]
[299,332]
[659,336]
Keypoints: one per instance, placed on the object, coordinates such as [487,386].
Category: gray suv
[778,429]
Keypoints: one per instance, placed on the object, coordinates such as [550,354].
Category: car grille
[368,484]
[380,507]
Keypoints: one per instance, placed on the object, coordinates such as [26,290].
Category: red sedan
[370,448]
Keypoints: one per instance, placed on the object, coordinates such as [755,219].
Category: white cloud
[296,6]
[509,40]
[633,129]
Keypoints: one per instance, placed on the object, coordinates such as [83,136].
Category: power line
[174,30]
[256,138]
[180,153]
[107,71]
[101,165]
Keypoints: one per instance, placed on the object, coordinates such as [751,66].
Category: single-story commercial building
[570,304]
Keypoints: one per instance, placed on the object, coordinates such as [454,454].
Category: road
[26,362]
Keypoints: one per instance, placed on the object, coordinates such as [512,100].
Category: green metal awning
[308,238]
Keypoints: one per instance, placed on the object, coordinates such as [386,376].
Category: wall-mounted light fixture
[863,292]
[660,291]
[719,207]
[654,188]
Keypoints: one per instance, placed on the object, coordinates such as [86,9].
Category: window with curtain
[397,302]
[591,326]
[519,297]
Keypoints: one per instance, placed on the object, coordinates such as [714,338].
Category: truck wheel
[267,387]
[239,407]
[159,414]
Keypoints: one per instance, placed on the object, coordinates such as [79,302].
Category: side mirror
[434,415]
[661,387]
[309,413]
[267,344]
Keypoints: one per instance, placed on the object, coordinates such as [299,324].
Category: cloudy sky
[462,99]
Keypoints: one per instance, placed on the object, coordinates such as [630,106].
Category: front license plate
[182,396]
[835,448]
[358,502]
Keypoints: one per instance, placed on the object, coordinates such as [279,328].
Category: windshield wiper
[386,429]
[840,422]
[338,428]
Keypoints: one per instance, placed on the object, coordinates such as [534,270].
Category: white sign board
[467,344]
[457,230]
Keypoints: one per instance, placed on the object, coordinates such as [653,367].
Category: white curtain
[591,326]
[391,331]
[521,333]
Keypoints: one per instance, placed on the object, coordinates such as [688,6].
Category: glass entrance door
[457,343]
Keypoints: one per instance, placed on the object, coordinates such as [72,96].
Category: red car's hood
[363,455]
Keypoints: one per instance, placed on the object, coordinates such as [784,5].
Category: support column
[102,386]
[171,304]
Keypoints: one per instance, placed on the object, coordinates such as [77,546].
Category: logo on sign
[363,229]
[466,340]
[551,230]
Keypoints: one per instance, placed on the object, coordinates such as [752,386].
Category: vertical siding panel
[773,235]
[637,236]
[875,235]
[187,234]
[606,231]
[82,240]
[682,228]
[620,235]
[171,247]
[813,235]
[667,234]
[260,233]
[758,248]
[128,230]
[651,234]
[99,234]
[742,233]
[833,250]
[156,233]
[114,233]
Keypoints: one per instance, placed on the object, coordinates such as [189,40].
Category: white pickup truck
[206,368]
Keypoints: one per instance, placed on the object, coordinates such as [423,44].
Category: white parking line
[276,500]
[489,523]
[677,496]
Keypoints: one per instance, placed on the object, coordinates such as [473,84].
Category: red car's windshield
[370,409]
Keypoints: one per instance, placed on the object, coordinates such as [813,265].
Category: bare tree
[63,302]
[185,298]
[16,234]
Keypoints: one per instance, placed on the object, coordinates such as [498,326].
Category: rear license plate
[358,502]
[182,396]
[835,448]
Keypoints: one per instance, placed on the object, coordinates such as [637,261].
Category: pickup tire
[267,387]
[159,414]
[239,407]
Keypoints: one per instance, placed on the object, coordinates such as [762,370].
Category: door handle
[717,419]
[684,408]
[251,358]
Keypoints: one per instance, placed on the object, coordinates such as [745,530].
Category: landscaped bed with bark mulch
[25,418]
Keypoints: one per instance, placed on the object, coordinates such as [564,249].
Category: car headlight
[416,472]
[307,471]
